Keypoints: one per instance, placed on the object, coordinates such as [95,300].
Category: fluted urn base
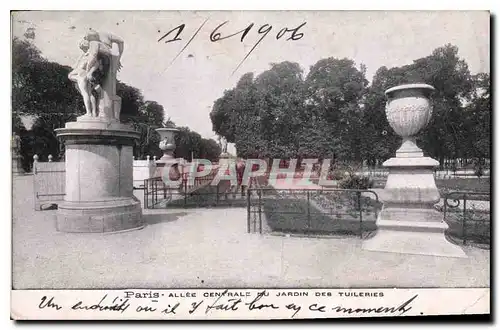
[167,168]
[408,222]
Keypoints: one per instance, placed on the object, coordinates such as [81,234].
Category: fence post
[155,193]
[217,194]
[35,160]
[260,213]
[145,197]
[184,183]
[358,193]
[464,226]
[445,209]
[248,210]
[164,187]
[308,211]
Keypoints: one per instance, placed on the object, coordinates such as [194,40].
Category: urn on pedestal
[167,143]
[408,222]
[167,165]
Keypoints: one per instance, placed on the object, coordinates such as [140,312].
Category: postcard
[250,165]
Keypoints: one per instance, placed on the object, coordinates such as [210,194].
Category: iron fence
[444,173]
[312,211]
[468,216]
[201,192]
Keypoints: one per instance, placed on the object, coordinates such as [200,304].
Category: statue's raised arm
[107,40]
[119,41]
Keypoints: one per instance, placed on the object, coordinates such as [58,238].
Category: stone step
[412,226]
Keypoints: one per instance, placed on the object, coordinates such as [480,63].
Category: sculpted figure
[94,67]
[223,144]
[88,74]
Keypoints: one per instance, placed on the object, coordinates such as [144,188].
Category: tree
[150,117]
[476,119]
[451,77]
[333,116]
[210,150]
[40,88]
[334,113]
[188,143]
[24,58]
[279,101]
[258,114]
[132,101]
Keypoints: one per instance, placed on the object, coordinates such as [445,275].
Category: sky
[188,84]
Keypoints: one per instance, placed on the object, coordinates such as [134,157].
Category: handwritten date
[289,34]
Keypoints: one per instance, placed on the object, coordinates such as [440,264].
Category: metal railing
[198,193]
[312,211]
[445,173]
[468,215]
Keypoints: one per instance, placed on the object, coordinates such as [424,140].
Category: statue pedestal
[99,178]
[173,175]
[408,222]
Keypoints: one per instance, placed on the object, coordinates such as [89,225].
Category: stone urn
[409,110]
[167,161]
[167,143]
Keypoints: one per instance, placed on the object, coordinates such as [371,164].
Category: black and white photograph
[250,164]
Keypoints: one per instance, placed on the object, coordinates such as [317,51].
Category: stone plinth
[408,222]
[99,178]
[172,177]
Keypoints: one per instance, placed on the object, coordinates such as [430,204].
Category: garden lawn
[468,184]
[325,213]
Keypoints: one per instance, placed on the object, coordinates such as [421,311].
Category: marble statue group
[95,68]
[223,144]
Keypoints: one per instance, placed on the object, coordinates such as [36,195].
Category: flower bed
[325,212]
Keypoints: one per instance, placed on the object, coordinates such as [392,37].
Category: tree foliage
[333,112]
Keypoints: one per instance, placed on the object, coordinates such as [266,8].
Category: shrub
[336,175]
[479,171]
[354,181]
